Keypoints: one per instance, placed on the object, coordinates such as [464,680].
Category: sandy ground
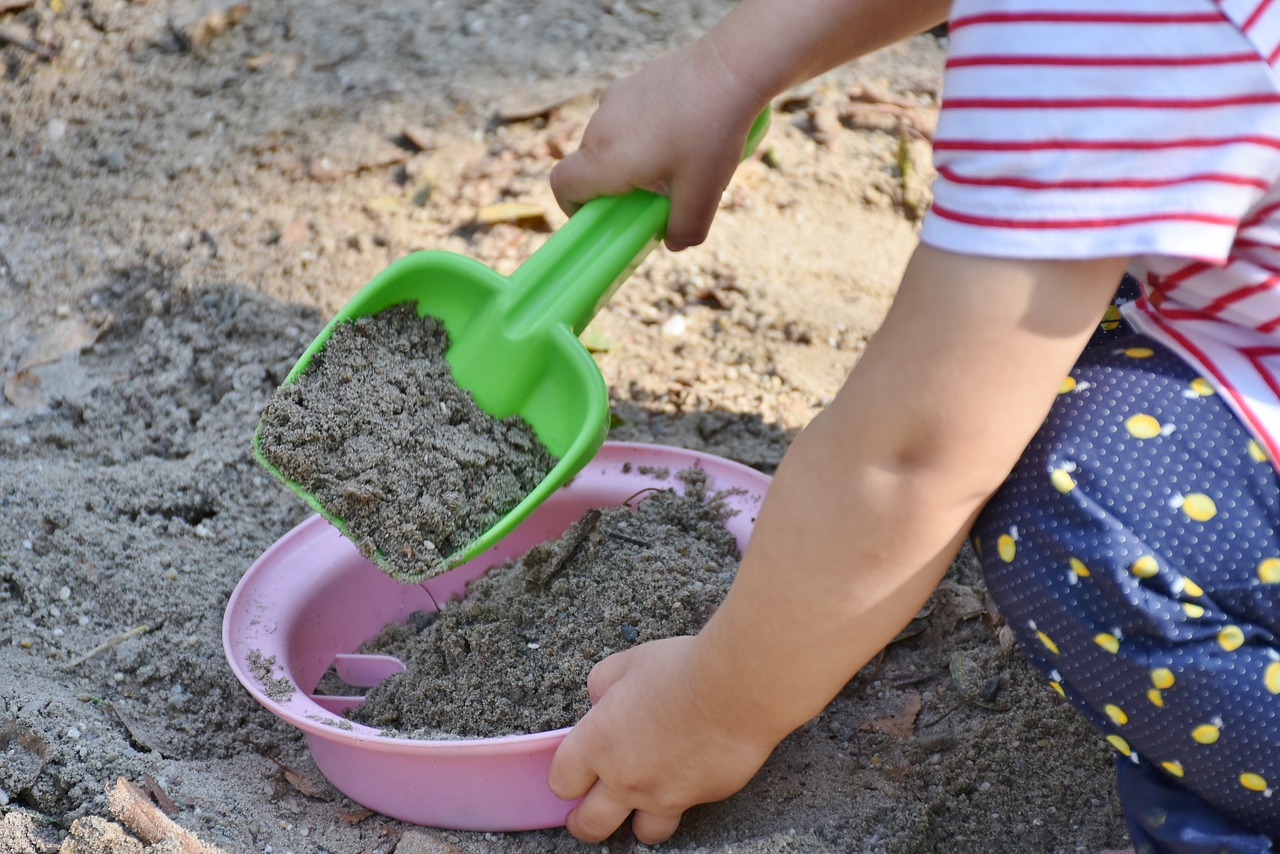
[190,190]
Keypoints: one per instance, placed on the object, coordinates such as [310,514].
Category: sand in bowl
[378,431]
[513,655]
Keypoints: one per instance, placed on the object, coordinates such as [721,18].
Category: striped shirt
[1146,128]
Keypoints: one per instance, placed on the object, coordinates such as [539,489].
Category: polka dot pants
[1135,553]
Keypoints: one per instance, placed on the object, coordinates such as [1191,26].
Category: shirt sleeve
[1077,131]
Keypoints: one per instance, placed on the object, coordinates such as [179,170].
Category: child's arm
[865,514]
[678,125]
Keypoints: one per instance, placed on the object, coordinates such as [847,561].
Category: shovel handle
[578,269]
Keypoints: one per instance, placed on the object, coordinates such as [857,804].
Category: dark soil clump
[513,655]
[380,433]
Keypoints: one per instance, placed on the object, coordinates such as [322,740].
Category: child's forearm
[845,554]
[874,498]
[770,45]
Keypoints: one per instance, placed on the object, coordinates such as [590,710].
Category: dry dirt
[190,190]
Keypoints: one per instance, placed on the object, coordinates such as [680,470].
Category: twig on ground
[106,645]
[132,808]
[42,51]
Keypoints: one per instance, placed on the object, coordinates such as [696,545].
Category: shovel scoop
[514,339]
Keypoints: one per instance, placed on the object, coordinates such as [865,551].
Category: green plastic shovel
[514,339]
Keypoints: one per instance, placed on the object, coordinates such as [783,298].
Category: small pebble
[675,327]
[73,732]
[118,676]
[65,593]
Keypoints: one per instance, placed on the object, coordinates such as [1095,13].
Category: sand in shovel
[380,433]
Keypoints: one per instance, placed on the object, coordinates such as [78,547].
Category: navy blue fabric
[1135,553]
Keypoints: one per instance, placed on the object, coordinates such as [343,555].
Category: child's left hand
[654,743]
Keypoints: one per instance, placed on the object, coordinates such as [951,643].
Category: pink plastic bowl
[311,600]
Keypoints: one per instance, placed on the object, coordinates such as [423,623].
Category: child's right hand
[676,127]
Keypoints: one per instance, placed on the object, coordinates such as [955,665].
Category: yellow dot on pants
[1231,638]
[1142,426]
[1162,677]
[1119,744]
[1202,387]
[1145,567]
[1078,567]
[1057,686]
[1116,714]
[1107,641]
[1253,782]
[1205,733]
[1048,642]
[1156,698]
[1062,480]
[1269,570]
[1139,352]
[1191,588]
[1271,677]
[1256,451]
[1068,385]
[1006,548]
[1173,766]
[1199,507]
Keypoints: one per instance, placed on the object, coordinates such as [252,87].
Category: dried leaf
[418,137]
[596,341]
[160,796]
[1006,638]
[354,817]
[524,112]
[22,389]
[216,23]
[307,786]
[521,213]
[62,339]
[903,724]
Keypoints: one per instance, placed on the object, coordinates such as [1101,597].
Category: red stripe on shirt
[1255,15]
[1245,100]
[1171,281]
[1255,355]
[1119,184]
[1083,18]
[1100,222]
[1214,371]
[1103,144]
[1238,294]
[1101,61]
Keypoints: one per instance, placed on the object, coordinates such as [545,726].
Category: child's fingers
[694,201]
[581,177]
[598,816]
[606,672]
[570,776]
[652,828]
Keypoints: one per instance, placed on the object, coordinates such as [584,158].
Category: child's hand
[677,127]
[654,743]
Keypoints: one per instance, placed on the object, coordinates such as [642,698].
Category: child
[1128,519]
